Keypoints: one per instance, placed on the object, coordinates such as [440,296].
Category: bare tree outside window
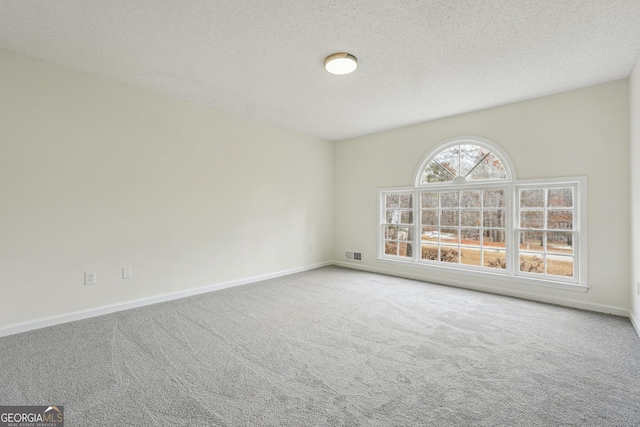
[467,162]
[464,227]
[466,211]
[398,224]
[546,233]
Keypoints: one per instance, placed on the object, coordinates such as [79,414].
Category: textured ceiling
[418,59]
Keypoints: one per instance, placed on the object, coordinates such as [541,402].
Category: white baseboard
[99,311]
[566,302]
[634,322]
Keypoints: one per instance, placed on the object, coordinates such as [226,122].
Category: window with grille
[398,224]
[546,230]
[464,227]
[467,212]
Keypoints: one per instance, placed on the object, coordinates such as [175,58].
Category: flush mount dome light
[340,63]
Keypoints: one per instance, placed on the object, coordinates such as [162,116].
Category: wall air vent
[353,256]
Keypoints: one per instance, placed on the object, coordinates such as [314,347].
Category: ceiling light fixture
[340,63]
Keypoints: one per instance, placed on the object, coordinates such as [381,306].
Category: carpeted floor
[332,347]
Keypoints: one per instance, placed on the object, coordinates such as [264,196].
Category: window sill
[503,277]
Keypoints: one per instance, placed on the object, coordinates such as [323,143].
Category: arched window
[464,160]
[466,211]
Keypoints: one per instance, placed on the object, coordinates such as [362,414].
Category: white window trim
[510,274]
[473,140]
[489,185]
[511,185]
[580,221]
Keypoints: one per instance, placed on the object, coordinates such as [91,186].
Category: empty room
[291,213]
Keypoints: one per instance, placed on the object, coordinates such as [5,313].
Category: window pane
[430,234]
[429,200]
[470,256]
[560,197]
[449,218]
[449,199]
[407,217]
[392,200]
[470,218]
[449,254]
[470,155]
[449,159]
[532,198]
[430,252]
[560,265]
[495,238]
[548,252]
[406,201]
[449,235]
[532,241]
[493,219]
[436,173]
[393,217]
[560,243]
[430,217]
[390,232]
[468,160]
[531,219]
[489,168]
[405,249]
[560,220]
[467,224]
[531,263]
[493,258]
[470,236]
[390,248]
[470,199]
[405,233]
[493,198]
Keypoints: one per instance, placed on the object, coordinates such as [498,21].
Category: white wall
[579,133]
[96,176]
[635,195]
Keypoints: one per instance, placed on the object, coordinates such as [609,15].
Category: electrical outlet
[126,272]
[90,278]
